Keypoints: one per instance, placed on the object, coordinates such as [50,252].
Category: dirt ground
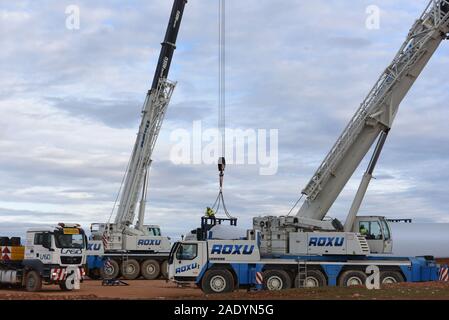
[141,289]
[93,290]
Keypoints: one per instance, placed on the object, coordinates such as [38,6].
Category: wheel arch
[34,265]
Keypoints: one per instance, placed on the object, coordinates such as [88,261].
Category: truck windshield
[154,232]
[386,230]
[187,251]
[172,252]
[71,241]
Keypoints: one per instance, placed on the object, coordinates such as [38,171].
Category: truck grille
[71,260]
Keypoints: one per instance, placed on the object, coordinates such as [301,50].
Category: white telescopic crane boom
[153,113]
[377,112]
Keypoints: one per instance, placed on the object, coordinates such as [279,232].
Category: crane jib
[377,112]
[153,113]
[147,126]
[169,43]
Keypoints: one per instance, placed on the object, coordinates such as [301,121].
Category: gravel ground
[141,289]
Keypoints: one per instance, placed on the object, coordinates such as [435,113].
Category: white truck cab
[377,233]
[51,255]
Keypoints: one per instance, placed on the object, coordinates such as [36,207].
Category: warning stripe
[61,274]
[444,274]
[259,278]
[107,263]
[58,274]
[5,253]
[104,238]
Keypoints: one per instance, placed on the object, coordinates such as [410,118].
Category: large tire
[94,274]
[150,269]
[130,269]
[110,272]
[390,277]
[314,279]
[276,280]
[164,269]
[352,278]
[217,281]
[33,281]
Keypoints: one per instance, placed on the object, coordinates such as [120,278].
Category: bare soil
[160,289]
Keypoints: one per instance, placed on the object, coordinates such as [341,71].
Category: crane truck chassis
[221,266]
[51,255]
[150,262]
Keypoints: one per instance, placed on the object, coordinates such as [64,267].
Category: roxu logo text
[187,268]
[232,249]
[148,242]
[93,246]
[326,241]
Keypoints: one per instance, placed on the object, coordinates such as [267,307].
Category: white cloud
[70,102]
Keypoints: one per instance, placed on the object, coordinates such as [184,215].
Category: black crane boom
[169,44]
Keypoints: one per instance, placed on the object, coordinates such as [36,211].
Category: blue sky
[70,103]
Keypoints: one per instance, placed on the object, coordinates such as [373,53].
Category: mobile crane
[307,249]
[139,249]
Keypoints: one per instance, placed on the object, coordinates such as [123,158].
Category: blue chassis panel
[419,271]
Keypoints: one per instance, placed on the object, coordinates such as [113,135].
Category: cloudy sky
[70,105]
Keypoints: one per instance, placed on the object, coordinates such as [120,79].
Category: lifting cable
[222,74]
[219,202]
[119,191]
[294,206]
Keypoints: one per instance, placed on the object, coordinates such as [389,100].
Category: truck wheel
[217,281]
[150,269]
[130,269]
[314,279]
[94,274]
[352,278]
[33,281]
[275,280]
[110,270]
[164,269]
[389,277]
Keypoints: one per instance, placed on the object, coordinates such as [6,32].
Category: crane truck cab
[377,233]
[150,239]
[205,257]
[131,255]
[51,255]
